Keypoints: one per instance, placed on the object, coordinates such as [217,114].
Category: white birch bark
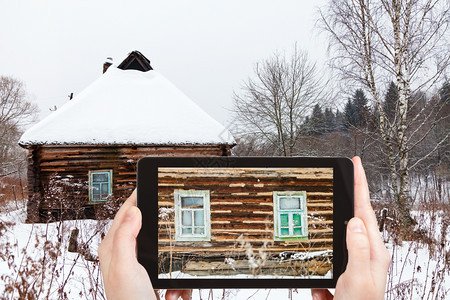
[374,41]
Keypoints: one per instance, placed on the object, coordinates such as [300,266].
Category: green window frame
[290,215]
[100,185]
[192,215]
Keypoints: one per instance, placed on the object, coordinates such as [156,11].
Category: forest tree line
[395,51]
[353,129]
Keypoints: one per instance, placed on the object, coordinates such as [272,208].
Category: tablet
[244,222]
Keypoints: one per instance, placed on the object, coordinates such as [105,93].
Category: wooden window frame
[179,236]
[110,182]
[276,216]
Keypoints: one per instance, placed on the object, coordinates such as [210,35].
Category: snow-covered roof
[128,107]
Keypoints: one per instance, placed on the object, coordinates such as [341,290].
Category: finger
[321,294]
[131,201]
[104,256]
[358,249]
[124,240]
[176,294]
[106,247]
[364,210]
[186,295]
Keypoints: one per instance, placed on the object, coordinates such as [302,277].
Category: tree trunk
[400,52]
[404,198]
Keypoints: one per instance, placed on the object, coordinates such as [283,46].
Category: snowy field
[418,271]
[35,261]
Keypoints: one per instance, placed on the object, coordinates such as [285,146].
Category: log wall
[74,162]
[241,205]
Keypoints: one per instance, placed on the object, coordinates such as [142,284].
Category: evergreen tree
[444,93]
[329,120]
[339,121]
[360,104]
[390,101]
[373,123]
[356,111]
[350,118]
[317,120]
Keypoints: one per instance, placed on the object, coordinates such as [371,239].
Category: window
[290,218]
[192,219]
[100,185]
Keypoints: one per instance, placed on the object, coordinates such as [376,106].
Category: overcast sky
[206,48]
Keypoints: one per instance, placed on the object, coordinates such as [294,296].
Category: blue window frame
[290,217]
[100,185]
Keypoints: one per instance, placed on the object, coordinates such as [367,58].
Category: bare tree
[373,41]
[273,105]
[15,112]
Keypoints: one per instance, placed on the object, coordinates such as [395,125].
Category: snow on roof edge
[40,143]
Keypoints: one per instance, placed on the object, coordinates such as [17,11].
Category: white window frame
[302,211]
[91,183]
[179,236]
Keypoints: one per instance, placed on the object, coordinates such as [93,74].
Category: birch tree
[15,112]
[375,41]
[273,105]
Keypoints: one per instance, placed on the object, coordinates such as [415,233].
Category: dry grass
[43,268]
[421,256]
[13,191]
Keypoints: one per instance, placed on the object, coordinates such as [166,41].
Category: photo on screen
[245,222]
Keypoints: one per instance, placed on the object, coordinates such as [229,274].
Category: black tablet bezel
[147,240]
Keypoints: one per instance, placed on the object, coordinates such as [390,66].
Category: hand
[368,258]
[123,276]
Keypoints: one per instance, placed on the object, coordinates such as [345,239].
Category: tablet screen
[245,223]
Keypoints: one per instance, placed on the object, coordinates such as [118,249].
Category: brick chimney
[108,62]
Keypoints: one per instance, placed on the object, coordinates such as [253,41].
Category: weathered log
[314,267]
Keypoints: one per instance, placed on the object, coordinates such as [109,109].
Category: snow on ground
[181,275]
[419,268]
[309,255]
[69,271]
[415,269]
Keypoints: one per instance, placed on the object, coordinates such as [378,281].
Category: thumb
[176,294]
[124,241]
[358,248]
[318,294]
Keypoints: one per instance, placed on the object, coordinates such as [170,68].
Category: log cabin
[82,157]
[281,220]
